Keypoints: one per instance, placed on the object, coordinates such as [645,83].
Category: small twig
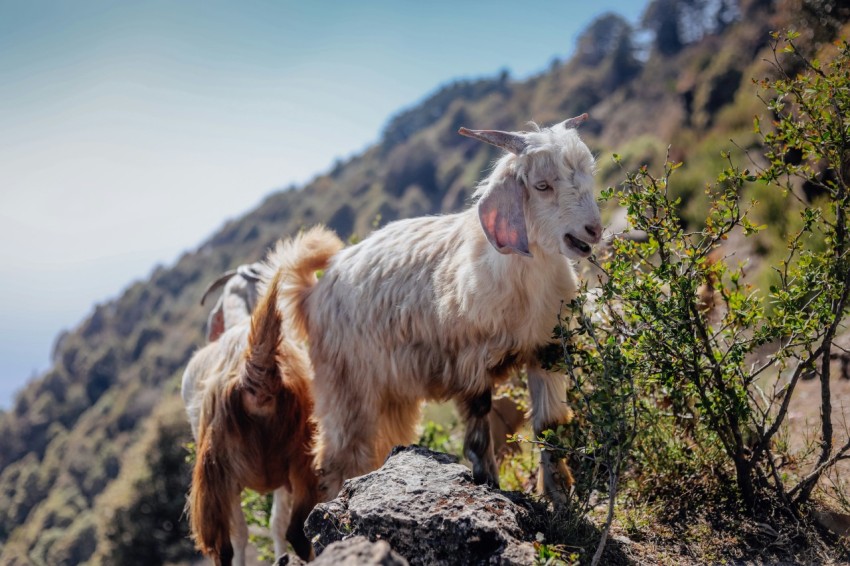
[609,519]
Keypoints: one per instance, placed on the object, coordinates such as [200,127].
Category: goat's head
[540,194]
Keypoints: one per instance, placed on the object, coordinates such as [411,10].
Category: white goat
[236,302]
[445,306]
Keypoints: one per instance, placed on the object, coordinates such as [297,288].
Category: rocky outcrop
[426,506]
[353,551]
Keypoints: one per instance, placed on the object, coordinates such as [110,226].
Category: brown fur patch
[256,431]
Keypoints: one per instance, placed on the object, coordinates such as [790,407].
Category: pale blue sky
[129,131]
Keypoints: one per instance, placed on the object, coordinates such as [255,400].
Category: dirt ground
[804,428]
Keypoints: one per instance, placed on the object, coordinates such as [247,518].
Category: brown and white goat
[443,307]
[249,402]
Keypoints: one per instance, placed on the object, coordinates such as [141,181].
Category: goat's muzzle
[577,245]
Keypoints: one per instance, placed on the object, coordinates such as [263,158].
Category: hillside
[92,457]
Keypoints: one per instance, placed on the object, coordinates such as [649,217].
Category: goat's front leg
[238,533]
[548,410]
[281,509]
[305,495]
[477,443]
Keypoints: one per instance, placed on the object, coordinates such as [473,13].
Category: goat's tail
[210,501]
[262,374]
[296,262]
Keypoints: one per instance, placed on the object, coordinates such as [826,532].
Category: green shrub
[680,367]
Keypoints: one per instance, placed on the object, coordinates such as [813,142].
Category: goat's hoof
[559,496]
[556,482]
[480,477]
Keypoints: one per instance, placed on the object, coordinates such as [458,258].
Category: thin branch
[840,454]
[609,519]
[764,441]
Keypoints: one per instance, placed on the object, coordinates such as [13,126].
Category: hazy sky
[129,131]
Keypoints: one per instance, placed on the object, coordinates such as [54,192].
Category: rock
[353,551]
[358,551]
[426,506]
[289,559]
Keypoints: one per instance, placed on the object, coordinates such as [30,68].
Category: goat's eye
[542,186]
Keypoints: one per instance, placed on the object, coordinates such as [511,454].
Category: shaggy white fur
[444,307]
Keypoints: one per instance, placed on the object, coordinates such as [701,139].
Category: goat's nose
[594,231]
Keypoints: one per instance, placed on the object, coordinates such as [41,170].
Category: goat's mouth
[581,247]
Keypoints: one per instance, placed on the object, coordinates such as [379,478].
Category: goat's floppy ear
[215,323]
[501,211]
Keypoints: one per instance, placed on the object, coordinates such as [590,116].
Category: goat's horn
[224,278]
[250,271]
[571,123]
[508,141]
